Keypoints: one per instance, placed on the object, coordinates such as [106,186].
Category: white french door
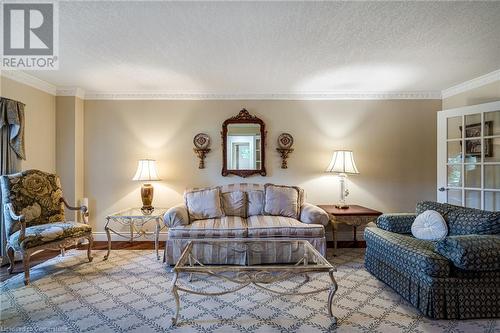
[468,154]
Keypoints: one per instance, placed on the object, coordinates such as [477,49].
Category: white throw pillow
[203,204]
[429,225]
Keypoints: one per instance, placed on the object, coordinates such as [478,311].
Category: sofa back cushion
[255,200]
[234,203]
[464,221]
[203,203]
[472,252]
[282,200]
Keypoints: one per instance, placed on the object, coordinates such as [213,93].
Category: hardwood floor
[125,245]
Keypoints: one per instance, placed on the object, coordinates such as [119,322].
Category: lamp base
[341,206]
[147,191]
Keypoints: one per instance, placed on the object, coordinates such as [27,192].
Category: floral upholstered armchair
[33,208]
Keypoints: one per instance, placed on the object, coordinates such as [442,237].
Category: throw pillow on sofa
[472,252]
[255,202]
[203,204]
[282,200]
[429,225]
[234,203]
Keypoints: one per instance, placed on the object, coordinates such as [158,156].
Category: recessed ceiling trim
[29,80]
[472,84]
[368,95]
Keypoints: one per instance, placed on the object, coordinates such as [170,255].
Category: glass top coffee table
[260,263]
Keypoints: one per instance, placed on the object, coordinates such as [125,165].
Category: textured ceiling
[274,47]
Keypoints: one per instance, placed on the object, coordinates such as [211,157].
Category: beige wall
[484,94]
[69,144]
[40,130]
[394,144]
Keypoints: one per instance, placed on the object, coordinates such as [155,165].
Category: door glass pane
[455,175]
[473,199]
[492,123]
[454,152]
[453,126]
[473,125]
[492,150]
[472,175]
[492,176]
[492,201]
[455,197]
[473,151]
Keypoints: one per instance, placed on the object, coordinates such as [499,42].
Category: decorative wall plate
[285,141]
[201,141]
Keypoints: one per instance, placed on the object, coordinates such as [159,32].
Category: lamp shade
[342,162]
[146,170]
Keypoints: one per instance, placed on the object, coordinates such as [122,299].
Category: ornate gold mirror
[243,142]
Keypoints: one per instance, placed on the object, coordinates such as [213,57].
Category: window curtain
[11,146]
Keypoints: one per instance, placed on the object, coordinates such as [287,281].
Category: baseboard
[347,244]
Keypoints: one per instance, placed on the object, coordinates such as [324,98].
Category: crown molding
[368,95]
[471,84]
[71,91]
[29,80]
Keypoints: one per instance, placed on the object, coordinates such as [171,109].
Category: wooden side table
[355,216]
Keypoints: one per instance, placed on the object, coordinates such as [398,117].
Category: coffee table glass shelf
[134,219]
[261,263]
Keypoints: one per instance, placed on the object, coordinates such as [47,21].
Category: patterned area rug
[130,293]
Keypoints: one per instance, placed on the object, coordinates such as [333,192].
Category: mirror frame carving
[243,117]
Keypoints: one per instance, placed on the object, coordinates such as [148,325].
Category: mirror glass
[244,146]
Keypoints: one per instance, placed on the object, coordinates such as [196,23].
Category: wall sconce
[201,142]
[285,142]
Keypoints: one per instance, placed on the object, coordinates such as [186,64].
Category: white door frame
[442,182]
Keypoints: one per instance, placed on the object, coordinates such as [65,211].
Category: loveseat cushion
[464,221]
[472,252]
[403,252]
[223,227]
[279,226]
[399,222]
[203,203]
[234,203]
[255,199]
[282,200]
[46,233]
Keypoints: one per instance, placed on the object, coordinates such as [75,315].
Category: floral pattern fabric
[472,252]
[34,194]
[46,233]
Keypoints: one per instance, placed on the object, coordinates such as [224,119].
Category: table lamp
[342,163]
[146,171]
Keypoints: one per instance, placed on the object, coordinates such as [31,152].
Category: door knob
[441,189]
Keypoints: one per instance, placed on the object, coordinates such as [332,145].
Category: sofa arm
[176,216]
[399,223]
[311,214]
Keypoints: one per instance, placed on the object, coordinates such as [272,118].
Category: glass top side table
[135,220]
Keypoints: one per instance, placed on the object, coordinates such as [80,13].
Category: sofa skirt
[216,254]
[441,297]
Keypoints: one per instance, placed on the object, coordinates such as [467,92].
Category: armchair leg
[89,248]
[10,255]
[26,264]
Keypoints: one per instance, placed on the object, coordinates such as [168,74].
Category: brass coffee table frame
[256,275]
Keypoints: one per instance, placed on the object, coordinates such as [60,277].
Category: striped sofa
[310,226]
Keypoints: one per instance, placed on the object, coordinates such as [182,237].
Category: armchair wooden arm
[83,209]
[19,218]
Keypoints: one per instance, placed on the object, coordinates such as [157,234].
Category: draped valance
[12,116]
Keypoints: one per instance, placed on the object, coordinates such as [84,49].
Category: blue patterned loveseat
[455,278]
